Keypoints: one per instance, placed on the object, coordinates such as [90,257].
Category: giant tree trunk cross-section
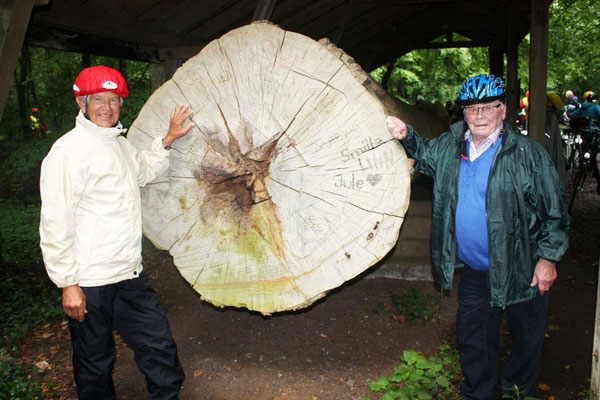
[290,183]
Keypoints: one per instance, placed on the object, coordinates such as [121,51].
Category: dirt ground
[330,350]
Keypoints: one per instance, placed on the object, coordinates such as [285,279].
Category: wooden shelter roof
[374,32]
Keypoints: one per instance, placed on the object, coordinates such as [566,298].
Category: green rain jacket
[525,205]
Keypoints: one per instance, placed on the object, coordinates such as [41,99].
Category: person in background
[525,111]
[591,110]
[499,213]
[554,142]
[90,236]
[572,99]
[35,125]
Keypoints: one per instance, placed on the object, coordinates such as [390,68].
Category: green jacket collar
[509,139]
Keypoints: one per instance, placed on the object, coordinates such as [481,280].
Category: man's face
[103,109]
[484,119]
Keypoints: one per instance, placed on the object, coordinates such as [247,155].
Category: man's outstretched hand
[176,129]
[397,127]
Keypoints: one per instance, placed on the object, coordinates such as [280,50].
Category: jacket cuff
[158,147]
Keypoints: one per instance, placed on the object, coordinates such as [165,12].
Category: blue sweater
[471,225]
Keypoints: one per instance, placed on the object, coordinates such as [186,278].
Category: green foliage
[415,305]
[419,377]
[435,74]
[16,382]
[574,46]
[50,88]
[516,394]
[380,308]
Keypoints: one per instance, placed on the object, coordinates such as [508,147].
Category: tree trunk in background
[290,183]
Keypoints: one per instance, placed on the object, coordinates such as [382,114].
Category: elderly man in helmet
[90,235]
[499,214]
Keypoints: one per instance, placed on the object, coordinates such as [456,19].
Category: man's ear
[81,103]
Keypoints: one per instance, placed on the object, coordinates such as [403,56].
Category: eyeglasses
[486,110]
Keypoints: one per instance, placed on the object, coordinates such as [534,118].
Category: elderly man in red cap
[90,235]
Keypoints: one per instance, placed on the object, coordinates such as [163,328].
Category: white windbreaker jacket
[91,223]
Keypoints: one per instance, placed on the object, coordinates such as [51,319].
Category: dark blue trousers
[131,307]
[478,339]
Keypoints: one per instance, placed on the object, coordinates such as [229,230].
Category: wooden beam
[345,17]
[453,45]
[192,14]
[94,21]
[40,36]
[538,56]
[220,23]
[181,53]
[307,16]
[264,9]
[14,18]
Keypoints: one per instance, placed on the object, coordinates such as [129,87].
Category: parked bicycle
[572,141]
[584,146]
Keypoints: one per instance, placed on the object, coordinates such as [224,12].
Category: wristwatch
[165,146]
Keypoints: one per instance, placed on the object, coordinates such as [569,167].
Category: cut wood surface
[289,185]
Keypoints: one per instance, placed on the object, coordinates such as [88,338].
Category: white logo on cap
[75,88]
[109,85]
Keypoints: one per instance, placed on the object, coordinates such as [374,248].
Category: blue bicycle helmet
[481,89]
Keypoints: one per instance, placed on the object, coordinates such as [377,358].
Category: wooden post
[496,60]
[170,67]
[264,9]
[512,66]
[14,18]
[538,57]
[158,75]
[595,381]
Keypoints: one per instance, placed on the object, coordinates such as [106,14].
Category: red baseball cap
[100,79]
